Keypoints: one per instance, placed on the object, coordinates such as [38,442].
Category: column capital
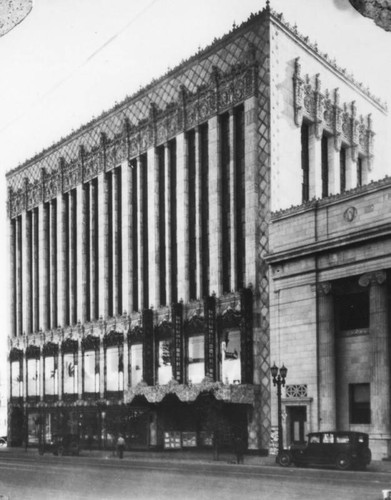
[376,277]
[324,288]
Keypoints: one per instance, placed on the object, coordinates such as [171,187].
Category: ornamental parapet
[240,394]
[83,158]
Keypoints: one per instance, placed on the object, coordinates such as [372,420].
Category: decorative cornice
[224,91]
[319,202]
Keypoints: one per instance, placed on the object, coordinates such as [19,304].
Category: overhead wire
[54,87]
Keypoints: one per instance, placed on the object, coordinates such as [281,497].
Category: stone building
[139,285]
[330,300]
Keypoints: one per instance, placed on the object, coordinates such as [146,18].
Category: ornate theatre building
[140,299]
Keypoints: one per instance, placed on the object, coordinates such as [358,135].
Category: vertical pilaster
[79,369]
[167,219]
[116,244]
[53,264]
[82,253]
[351,171]
[315,159]
[215,200]
[182,218]
[19,276]
[62,288]
[232,199]
[12,278]
[36,288]
[140,234]
[27,273]
[126,364]
[102,371]
[127,247]
[93,248]
[60,371]
[41,362]
[153,228]
[72,232]
[44,284]
[380,362]
[103,245]
[251,189]
[334,167]
[198,213]
[326,360]
[24,375]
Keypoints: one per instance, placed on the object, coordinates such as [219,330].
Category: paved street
[139,476]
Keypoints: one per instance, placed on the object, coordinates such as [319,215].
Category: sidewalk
[177,456]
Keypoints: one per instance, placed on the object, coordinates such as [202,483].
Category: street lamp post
[279,376]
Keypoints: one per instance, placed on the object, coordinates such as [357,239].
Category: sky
[69,60]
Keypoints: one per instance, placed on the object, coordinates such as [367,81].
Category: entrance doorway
[296,424]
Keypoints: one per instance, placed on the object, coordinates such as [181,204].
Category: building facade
[330,269]
[139,282]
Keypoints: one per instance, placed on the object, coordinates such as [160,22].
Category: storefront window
[70,374]
[136,364]
[16,379]
[114,370]
[91,372]
[33,377]
[165,366]
[230,358]
[51,375]
[196,356]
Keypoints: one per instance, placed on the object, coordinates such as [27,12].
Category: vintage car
[343,450]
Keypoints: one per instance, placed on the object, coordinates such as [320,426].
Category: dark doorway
[297,418]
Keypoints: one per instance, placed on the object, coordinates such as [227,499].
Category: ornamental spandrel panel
[34,195]
[51,186]
[71,176]
[91,166]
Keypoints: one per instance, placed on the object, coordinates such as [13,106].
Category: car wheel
[343,462]
[3,442]
[284,459]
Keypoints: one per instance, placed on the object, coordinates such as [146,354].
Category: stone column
[12,280]
[182,218]
[53,264]
[334,167]
[82,253]
[27,272]
[93,215]
[351,170]
[60,371]
[380,352]
[198,213]
[62,241]
[24,375]
[140,234]
[251,151]
[72,258]
[126,363]
[102,371]
[167,218]
[44,284]
[103,245]
[315,160]
[36,301]
[232,199]
[153,229]
[326,357]
[41,374]
[19,277]
[116,243]
[215,229]
[127,239]
[79,369]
